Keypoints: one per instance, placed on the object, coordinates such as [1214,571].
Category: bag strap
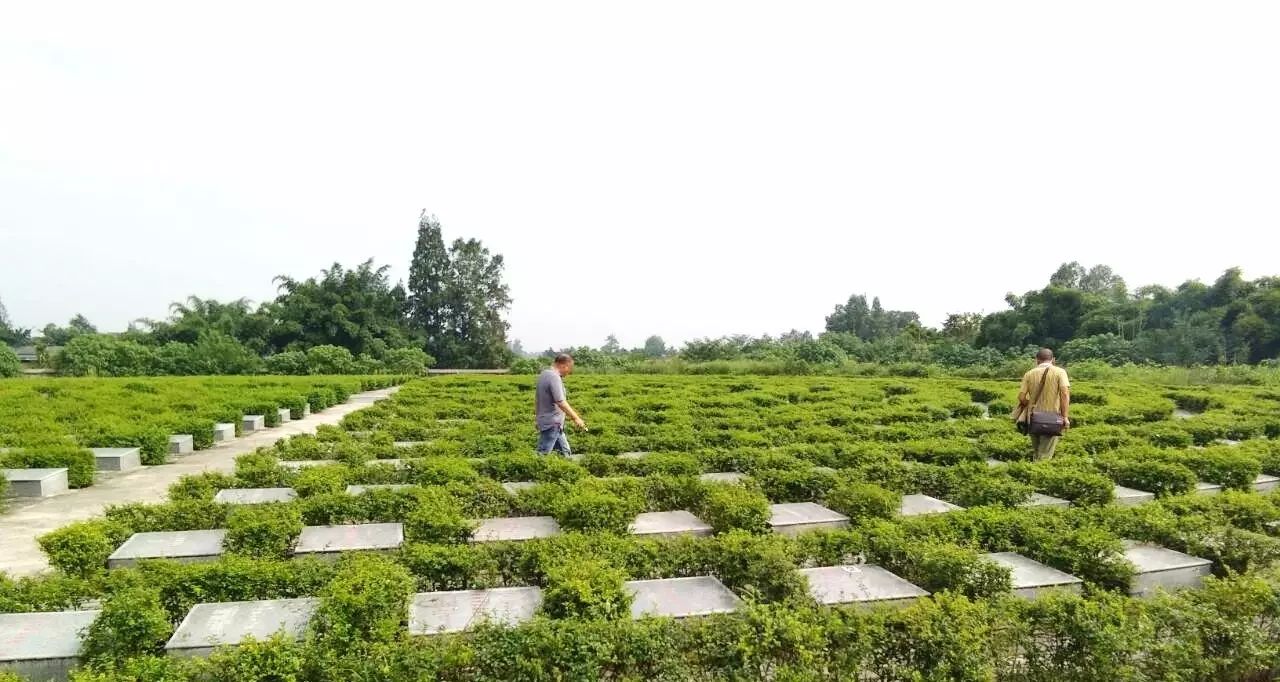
[1039,391]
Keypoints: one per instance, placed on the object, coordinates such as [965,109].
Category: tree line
[345,320]
[1083,313]
[452,313]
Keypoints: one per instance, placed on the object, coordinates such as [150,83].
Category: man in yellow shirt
[1050,384]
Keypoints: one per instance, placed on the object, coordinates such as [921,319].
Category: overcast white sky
[680,168]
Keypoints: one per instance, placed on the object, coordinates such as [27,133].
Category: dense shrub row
[51,422]
[854,446]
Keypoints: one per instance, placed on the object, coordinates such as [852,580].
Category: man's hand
[1066,423]
[577,421]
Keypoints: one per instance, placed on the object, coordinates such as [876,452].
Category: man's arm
[566,408]
[1064,402]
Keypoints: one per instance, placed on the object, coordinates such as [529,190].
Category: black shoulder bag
[1041,422]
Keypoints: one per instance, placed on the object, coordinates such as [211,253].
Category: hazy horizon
[672,169]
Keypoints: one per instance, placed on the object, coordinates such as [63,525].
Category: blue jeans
[553,439]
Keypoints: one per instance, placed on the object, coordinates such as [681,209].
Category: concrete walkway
[28,519]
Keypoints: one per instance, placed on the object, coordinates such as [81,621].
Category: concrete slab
[669,524]
[255,495]
[306,410]
[300,464]
[252,422]
[824,470]
[1042,500]
[915,505]
[680,597]
[42,646]
[224,432]
[362,489]
[117,459]
[860,584]
[793,518]
[182,444]
[722,477]
[515,528]
[633,455]
[432,613]
[1129,497]
[993,463]
[330,541]
[183,546]
[285,415]
[1203,488]
[1160,567]
[1032,578]
[393,463]
[208,626]
[409,443]
[514,487]
[36,482]
[1265,483]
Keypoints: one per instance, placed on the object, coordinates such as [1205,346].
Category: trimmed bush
[585,588]
[437,518]
[860,501]
[132,623]
[366,601]
[81,548]
[729,507]
[597,511]
[263,531]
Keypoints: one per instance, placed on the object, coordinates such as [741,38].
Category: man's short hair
[564,359]
[1044,355]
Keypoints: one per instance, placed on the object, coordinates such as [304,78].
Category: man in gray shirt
[550,407]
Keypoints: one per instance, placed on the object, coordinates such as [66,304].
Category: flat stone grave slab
[1203,488]
[117,459]
[330,541]
[224,432]
[362,489]
[915,505]
[1265,483]
[208,626]
[1032,578]
[722,477]
[432,613]
[1158,566]
[859,584]
[360,434]
[1129,497]
[793,518]
[299,464]
[393,463]
[993,462]
[36,482]
[42,646]
[1273,527]
[306,409]
[669,524]
[285,415]
[633,455]
[824,470]
[680,597]
[255,495]
[252,422]
[183,546]
[1042,500]
[515,528]
[182,444]
[514,487]
[409,443]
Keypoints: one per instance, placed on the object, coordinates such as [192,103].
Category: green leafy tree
[870,322]
[611,345]
[355,308]
[428,283]
[61,336]
[105,355]
[475,298]
[9,334]
[10,366]
[655,347]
